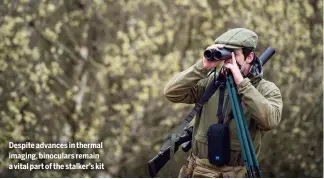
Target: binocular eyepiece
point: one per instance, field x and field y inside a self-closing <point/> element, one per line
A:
<point x="217" y="55"/>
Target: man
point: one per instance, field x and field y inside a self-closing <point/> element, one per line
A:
<point x="261" y="101"/>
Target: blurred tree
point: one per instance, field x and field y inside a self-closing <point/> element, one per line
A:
<point x="94" y="71"/>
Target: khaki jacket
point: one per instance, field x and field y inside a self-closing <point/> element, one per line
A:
<point x="262" y="105"/>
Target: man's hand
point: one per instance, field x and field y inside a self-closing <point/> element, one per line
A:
<point x="211" y="64"/>
<point x="232" y="65"/>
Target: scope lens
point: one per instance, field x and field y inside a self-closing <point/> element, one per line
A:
<point x="208" y="54"/>
<point x="218" y="55"/>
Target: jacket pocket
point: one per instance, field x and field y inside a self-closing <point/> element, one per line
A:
<point x="200" y="172"/>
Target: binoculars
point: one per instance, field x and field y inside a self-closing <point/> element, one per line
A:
<point x="217" y="55"/>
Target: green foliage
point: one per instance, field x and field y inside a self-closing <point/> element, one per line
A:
<point x="94" y="71"/>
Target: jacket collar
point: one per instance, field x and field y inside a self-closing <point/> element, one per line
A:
<point x="256" y="72"/>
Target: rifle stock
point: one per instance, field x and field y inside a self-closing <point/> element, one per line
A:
<point x="158" y="161"/>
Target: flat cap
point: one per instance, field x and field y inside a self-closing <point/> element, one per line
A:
<point x="238" y="38"/>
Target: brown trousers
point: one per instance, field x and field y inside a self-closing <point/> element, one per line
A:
<point x="201" y="168"/>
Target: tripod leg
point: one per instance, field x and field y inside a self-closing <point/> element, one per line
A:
<point x="239" y="128"/>
<point x="256" y="168"/>
<point x="247" y="141"/>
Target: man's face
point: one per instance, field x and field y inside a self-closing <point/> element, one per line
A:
<point x="243" y="63"/>
<point x="239" y="56"/>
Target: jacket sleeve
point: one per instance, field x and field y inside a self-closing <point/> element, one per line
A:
<point x="188" y="85"/>
<point x="266" y="108"/>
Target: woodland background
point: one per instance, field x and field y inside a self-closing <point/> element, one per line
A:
<point x="94" y="71"/>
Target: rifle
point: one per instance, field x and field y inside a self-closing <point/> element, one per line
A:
<point x="163" y="156"/>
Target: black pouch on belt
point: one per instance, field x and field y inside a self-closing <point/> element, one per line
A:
<point x="218" y="144"/>
<point x="218" y="137"/>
